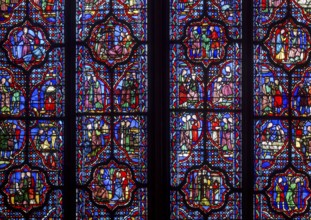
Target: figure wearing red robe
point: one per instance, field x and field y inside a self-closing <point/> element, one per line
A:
<point x="17" y="133"/>
<point x="50" y="99"/>
<point x="182" y="88"/>
<point x="215" y="44"/>
<point x="36" y="41"/>
<point x="264" y="4"/>
<point x="134" y="92"/>
<point x="278" y="99"/>
<point x="195" y="129"/>
<point x="124" y="183"/>
<point x="280" y="195"/>
<point x="182" y="94"/>
<point x="50" y="6"/>
<point x="299" y="133"/>
<point x="51" y="161"/>
<point x="31" y="189"/>
<point x="215" y="191"/>
<point x="50" y="103"/>
<point x="215" y="39"/>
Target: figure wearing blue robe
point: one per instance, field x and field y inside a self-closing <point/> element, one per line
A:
<point x="299" y="202"/>
<point x="303" y="40"/>
<point x="118" y="192"/>
<point x="107" y="180"/>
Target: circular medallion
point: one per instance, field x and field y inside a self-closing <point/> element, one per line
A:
<point x="26" y="188"/>
<point x="289" y="192"/>
<point x="205" y="42"/>
<point x="112" y="185"/>
<point x="111" y="42"/>
<point x="205" y="189"/>
<point x="26" y="45"/>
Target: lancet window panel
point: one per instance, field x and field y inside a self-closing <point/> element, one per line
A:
<point x="282" y="112"/>
<point x="112" y="109"/>
<point x="32" y="109"/>
<point x="205" y="60"/>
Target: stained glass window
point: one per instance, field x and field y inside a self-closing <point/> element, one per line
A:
<point x="282" y="109"/>
<point x="205" y="109"/>
<point x="32" y="71"/>
<point x="79" y="98"/>
<point x="111" y="109"/>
